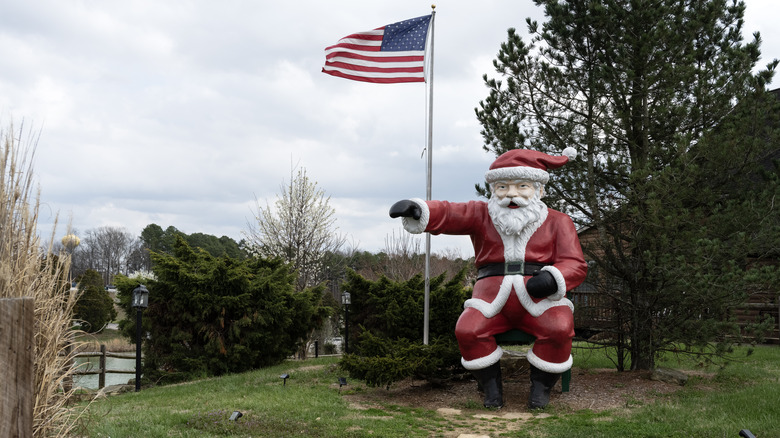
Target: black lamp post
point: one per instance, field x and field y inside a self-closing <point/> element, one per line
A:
<point x="346" y="301"/>
<point x="140" y="302"/>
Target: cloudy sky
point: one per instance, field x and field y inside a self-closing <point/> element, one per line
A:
<point x="184" y="113"/>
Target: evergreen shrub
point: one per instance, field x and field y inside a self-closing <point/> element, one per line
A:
<point x="386" y="320"/>
<point x="94" y="308"/>
<point x="209" y="316"/>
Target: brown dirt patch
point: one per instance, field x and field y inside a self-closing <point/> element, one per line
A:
<point x="597" y="390"/>
<point x="461" y="403"/>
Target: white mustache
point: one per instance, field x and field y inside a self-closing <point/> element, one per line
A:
<point x="522" y="202"/>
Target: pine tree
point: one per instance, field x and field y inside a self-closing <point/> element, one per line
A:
<point x="94" y="308"/>
<point x="660" y="100"/>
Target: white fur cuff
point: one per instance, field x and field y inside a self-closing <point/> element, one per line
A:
<point x="416" y="226"/>
<point x="483" y="362"/>
<point x="559" y="280"/>
<point x="550" y="367"/>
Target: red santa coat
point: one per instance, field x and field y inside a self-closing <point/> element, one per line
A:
<point x="500" y="303"/>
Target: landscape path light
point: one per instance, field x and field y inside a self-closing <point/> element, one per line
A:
<point x="342" y="382"/>
<point x="140" y="302"/>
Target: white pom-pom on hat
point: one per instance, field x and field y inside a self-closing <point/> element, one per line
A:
<point x="570" y="152"/>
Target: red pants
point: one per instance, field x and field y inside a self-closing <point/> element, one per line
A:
<point x="553" y="329"/>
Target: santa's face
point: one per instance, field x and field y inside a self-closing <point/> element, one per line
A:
<point x="523" y="190"/>
<point x="514" y="205"/>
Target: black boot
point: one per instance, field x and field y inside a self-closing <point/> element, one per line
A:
<point x="489" y="380"/>
<point x="541" y="384"/>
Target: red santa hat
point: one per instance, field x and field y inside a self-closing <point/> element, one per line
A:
<point x="526" y="164"/>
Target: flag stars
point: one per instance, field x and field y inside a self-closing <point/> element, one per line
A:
<point x="406" y="35"/>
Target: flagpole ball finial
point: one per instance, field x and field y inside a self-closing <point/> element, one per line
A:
<point x="433" y="6"/>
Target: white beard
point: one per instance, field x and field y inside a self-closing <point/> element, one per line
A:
<point x="512" y="221"/>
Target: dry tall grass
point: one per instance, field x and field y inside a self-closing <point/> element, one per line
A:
<point x="113" y="345"/>
<point x="27" y="270"/>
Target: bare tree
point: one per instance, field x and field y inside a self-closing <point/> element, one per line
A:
<point x="404" y="257"/>
<point x="300" y="229"/>
<point x="106" y="250"/>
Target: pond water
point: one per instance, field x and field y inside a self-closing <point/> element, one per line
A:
<point x="112" y="363"/>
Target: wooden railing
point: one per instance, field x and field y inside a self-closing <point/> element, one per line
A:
<point x="594" y="311"/>
<point x="101" y="370"/>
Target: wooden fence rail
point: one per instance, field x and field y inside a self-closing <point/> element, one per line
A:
<point x="101" y="370"/>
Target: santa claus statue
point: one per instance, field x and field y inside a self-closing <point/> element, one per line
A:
<point x="527" y="257"/>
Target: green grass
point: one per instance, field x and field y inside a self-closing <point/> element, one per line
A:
<point x="308" y="405"/>
<point x="743" y="394"/>
<point x="691" y="413"/>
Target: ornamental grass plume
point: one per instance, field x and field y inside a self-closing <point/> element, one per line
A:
<point x="27" y="269"/>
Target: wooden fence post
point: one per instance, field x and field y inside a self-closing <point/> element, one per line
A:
<point x="17" y="344"/>
<point x="102" y="375"/>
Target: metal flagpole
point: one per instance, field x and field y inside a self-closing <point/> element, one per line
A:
<point x="427" y="306"/>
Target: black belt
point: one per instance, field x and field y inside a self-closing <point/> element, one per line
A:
<point x="509" y="268"/>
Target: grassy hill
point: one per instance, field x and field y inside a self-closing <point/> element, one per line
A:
<point x="718" y="400"/>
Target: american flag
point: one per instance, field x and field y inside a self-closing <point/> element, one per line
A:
<point x="386" y="55"/>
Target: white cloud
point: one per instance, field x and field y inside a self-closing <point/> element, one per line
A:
<point x="181" y="113"/>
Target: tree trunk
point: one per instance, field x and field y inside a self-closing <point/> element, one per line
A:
<point x="642" y="350"/>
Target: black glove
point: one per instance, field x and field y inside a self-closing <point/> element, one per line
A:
<point x="541" y="285"/>
<point x="406" y="208"/>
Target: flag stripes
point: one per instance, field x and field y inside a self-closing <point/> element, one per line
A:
<point x="390" y="54"/>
